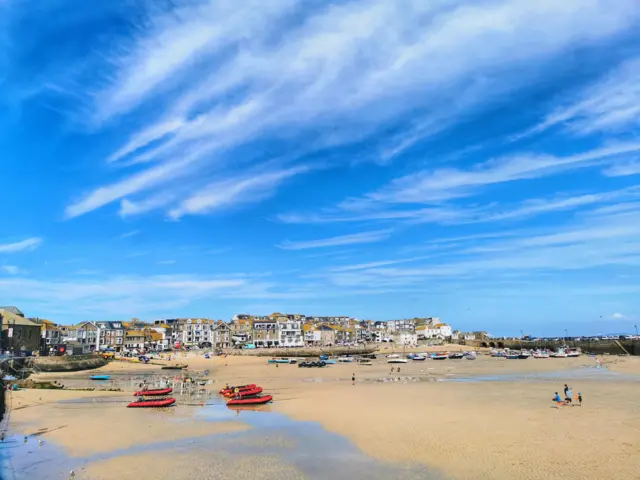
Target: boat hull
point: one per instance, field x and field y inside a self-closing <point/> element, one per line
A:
<point x="247" y="392"/>
<point x="398" y="360"/>
<point x="155" y="392"/>
<point x="239" y="387"/>
<point x="250" y="401"/>
<point x="153" y="403"/>
<point x="100" y="377"/>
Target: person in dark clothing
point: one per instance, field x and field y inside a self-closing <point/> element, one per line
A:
<point x="353" y="379"/>
<point x="580" y="398"/>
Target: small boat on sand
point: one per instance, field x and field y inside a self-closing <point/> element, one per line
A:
<point x="100" y="377"/>
<point x="250" y="401"/>
<point x="397" y="360"/>
<point x="523" y="355"/>
<point x="419" y="357"/>
<point x="440" y="356"/>
<point x="154" y="392"/>
<point x="365" y="362"/>
<point x="471" y="355"/>
<point x="175" y="367"/>
<point x="245" y="393"/>
<point x="163" y="402"/>
<point x="456" y="356"/>
<point x="239" y="387"/>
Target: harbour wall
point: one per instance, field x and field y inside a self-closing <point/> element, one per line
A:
<point x="303" y="352"/>
<point x="70" y="363"/>
<point x="613" y="347"/>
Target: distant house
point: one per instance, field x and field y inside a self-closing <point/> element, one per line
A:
<point x="134" y="340"/>
<point x="112" y="335"/>
<point x="14" y="310"/>
<point x="20" y="336"/>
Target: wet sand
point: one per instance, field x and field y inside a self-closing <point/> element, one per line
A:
<point x="489" y="418"/>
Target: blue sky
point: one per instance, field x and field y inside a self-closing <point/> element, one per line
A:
<point x="473" y="160"/>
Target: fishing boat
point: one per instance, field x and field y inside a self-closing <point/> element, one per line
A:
<point x="278" y="360"/>
<point x="330" y="362"/>
<point x="419" y="357"/>
<point x="471" y="355"/>
<point x="397" y="360"/>
<point x="523" y="355"/>
<point x="163" y="402"/>
<point x="100" y="377"/>
<point x="345" y="359"/>
<point x="440" y="356"/>
<point x="154" y="392"/>
<point x="573" y="354"/>
<point x="393" y="355"/>
<point x="239" y="387"/>
<point x="365" y="362"/>
<point x="512" y="356"/>
<point x="539" y="354"/>
<point x="559" y="354"/>
<point x="456" y="356"/>
<point x="251" y="392"/>
<point x="175" y="367"/>
<point x="250" y="401"/>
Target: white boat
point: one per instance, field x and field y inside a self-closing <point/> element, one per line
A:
<point x="393" y="355"/>
<point x="345" y="359"/>
<point x="471" y="355"/>
<point x="397" y="360"/>
<point x="559" y="354"/>
<point x="573" y="354"/>
<point x="540" y="355"/>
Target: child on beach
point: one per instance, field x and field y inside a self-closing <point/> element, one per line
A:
<point x="579" y="398"/>
<point x="353" y="379"/>
<point x="557" y="399"/>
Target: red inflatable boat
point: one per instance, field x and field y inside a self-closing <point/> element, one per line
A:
<point x="239" y="387"/>
<point x="157" y="391"/>
<point x="250" y="401"/>
<point x="245" y="393"/>
<point x="165" y="402"/>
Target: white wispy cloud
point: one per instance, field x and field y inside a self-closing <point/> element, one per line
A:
<point x="444" y="184"/>
<point x="25" y="245"/>
<point x="129" y="234"/>
<point x="11" y="269"/>
<point x="166" y="262"/>
<point x="617" y="316"/>
<point x="355" y="238"/>
<point x="611" y="104"/>
<point x="227" y="75"/>
<point x="235" y="191"/>
<point x="623" y="169"/>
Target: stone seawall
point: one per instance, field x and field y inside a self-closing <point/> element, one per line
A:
<point x="70" y="363"/>
<point x="303" y="352"/>
<point x="612" y="347"/>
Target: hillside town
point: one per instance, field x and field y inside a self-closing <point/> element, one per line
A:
<point x="23" y="335"/>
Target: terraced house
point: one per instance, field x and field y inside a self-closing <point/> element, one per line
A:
<point x="112" y="335"/>
<point x="194" y="332"/>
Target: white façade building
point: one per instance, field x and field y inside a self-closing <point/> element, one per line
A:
<point x="291" y="333"/>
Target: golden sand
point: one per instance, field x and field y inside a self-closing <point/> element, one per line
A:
<point x="489" y="429"/>
<point x="198" y="465"/>
<point x="90" y="427"/>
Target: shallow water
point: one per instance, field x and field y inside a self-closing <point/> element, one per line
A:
<point x="306" y="446"/>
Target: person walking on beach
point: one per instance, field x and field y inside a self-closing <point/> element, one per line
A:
<point x="566" y="389"/>
<point x="580" y="399"/>
<point x="353" y="379"/>
<point x="569" y="396"/>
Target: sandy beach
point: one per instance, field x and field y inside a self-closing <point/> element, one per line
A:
<point x="488" y="418"/>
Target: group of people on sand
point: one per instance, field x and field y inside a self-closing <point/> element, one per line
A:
<point x="568" y="397"/>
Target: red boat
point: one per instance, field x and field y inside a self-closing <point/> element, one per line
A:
<point x="157" y="391"/>
<point x="245" y="393"/>
<point x="165" y="402"/>
<point x="239" y="387"/>
<point x="250" y="401"/>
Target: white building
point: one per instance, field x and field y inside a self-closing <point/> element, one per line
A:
<point x="291" y="333"/>
<point x="406" y="338"/>
<point x="401" y="325"/>
<point x="440" y="331"/>
<point x="193" y="331"/>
